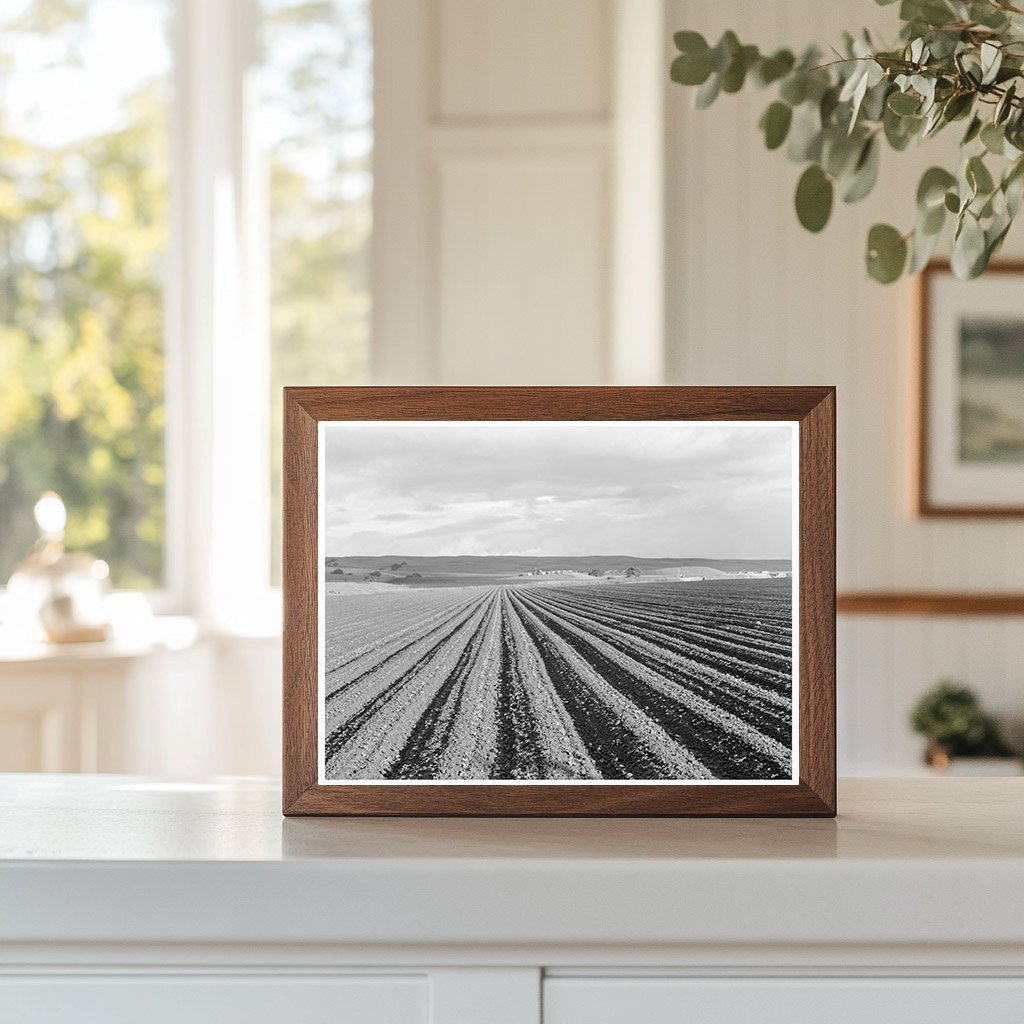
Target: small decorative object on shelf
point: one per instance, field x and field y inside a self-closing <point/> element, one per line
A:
<point x="60" y="595"/>
<point x="962" y="738"/>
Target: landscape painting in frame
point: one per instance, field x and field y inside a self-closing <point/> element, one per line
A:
<point x="971" y="455"/>
<point x="992" y="389"/>
<point x="558" y="602"/>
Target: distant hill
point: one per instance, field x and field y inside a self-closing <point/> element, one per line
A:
<point x="511" y="565"/>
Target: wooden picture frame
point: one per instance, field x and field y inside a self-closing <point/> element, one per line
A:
<point x="941" y="489"/>
<point x="311" y="413"/>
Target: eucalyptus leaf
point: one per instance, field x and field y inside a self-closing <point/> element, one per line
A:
<point x="900" y="130"/>
<point x="771" y="69"/>
<point x="794" y="88"/>
<point x="995" y="233"/>
<point x="987" y="15"/>
<point x="925" y="87"/>
<point x="689" y="42"/>
<point x="991" y="60"/>
<point x="691" y="70"/>
<point x="904" y="103"/>
<point x="827" y="106"/>
<point x="865" y="174"/>
<point x="707" y="93"/>
<point x="775" y="124"/>
<point x="724" y="51"/>
<point x="968" y="248"/>
<point x="973" y="130"/>
<point x="1014" y="192"/>
<point x="993" y="138"/>
<point x="966" y="187"/>
<point x="957" y="106"/>
<point x="931" y="221"/>
<point x="886" y="253"/>
<point x="814" y="195"/>
<point x="867" y="74"/>
<point x="930" y="12"/>
<point x="735" y="74"/>
<point x="1005" y="105"/>
<point x="978" y="176"/>
<point x="944" y="44"/>
<point x="875" y="98"/>
<point x="922" y="247"/>
<point x="931" y="190"/>
<point x="805" y="133"/>
<point x="933" y="122"/>
<point x="840" y="152"/>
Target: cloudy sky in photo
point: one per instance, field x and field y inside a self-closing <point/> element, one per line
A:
<point x="652" y="490"/>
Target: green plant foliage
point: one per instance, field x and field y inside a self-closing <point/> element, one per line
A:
<point x="693" y="65"/>
<point x="949" y="716"/>
<point x="775" y="124"/>
<point x="814" y="194"/>
<point x="887" y="253"/>
<point x="82" y="233"/>
<point x="955" y="60"/>
<point x="83" y="244"/>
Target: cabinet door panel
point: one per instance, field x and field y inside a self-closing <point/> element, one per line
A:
<point x="782" y="1001"/>
<point x="202" y="999"/>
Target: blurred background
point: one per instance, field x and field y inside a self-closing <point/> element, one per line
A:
<point x="204" y="200"/>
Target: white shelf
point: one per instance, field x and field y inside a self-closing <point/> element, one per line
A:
<point x="123" y="860"/>
<point x="127" y="897"/>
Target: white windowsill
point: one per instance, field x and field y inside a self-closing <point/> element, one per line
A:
<point x="161" y="633"/>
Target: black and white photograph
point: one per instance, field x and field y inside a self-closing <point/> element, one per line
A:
<point x="557" y="601"/>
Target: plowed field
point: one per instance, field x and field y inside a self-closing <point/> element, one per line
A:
<point x="607" y="681"/>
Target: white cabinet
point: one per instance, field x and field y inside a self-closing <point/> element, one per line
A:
<point x="625" y="1000"/>
<point x="97" y="710"/>
<point x="480" y="996"/>
<point x="216" y="1000"/>
<point x="128" y="899"/>
<point x="42" y="720"/>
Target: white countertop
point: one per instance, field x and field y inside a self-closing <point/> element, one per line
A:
<point x="121" y="859"/>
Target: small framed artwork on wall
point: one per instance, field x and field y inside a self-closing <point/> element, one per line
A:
<point x="559" y="601"/>
<point x="970" y="423"/>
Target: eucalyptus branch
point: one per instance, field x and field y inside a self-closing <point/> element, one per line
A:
<point x="955" y="61"/>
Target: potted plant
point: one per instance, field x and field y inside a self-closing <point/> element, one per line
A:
<point x="950" y="718"/>
<point x="956" y="62"/>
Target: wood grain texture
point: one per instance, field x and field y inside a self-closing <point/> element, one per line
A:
<point x="925" y="603"/>
<point x="300" y="578"/>
<point x="923" y="504"/>
<point x="817" y="599"/>
<point x="812" y="407"/>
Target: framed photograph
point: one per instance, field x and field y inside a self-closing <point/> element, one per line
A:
<point x="970" y="445"/>
<point x="559" y="601"/>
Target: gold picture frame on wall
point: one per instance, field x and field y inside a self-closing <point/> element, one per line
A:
<point x="970" y="393"/>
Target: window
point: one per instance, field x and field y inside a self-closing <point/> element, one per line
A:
<point x="317" y="87"/>
<point x="83" y="234"/>
<point x="185" y="221"/>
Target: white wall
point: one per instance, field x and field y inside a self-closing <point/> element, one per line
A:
<point x="514" y="161"/>
<point x="505" y="132"/>
<point x="754" y="299"/>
